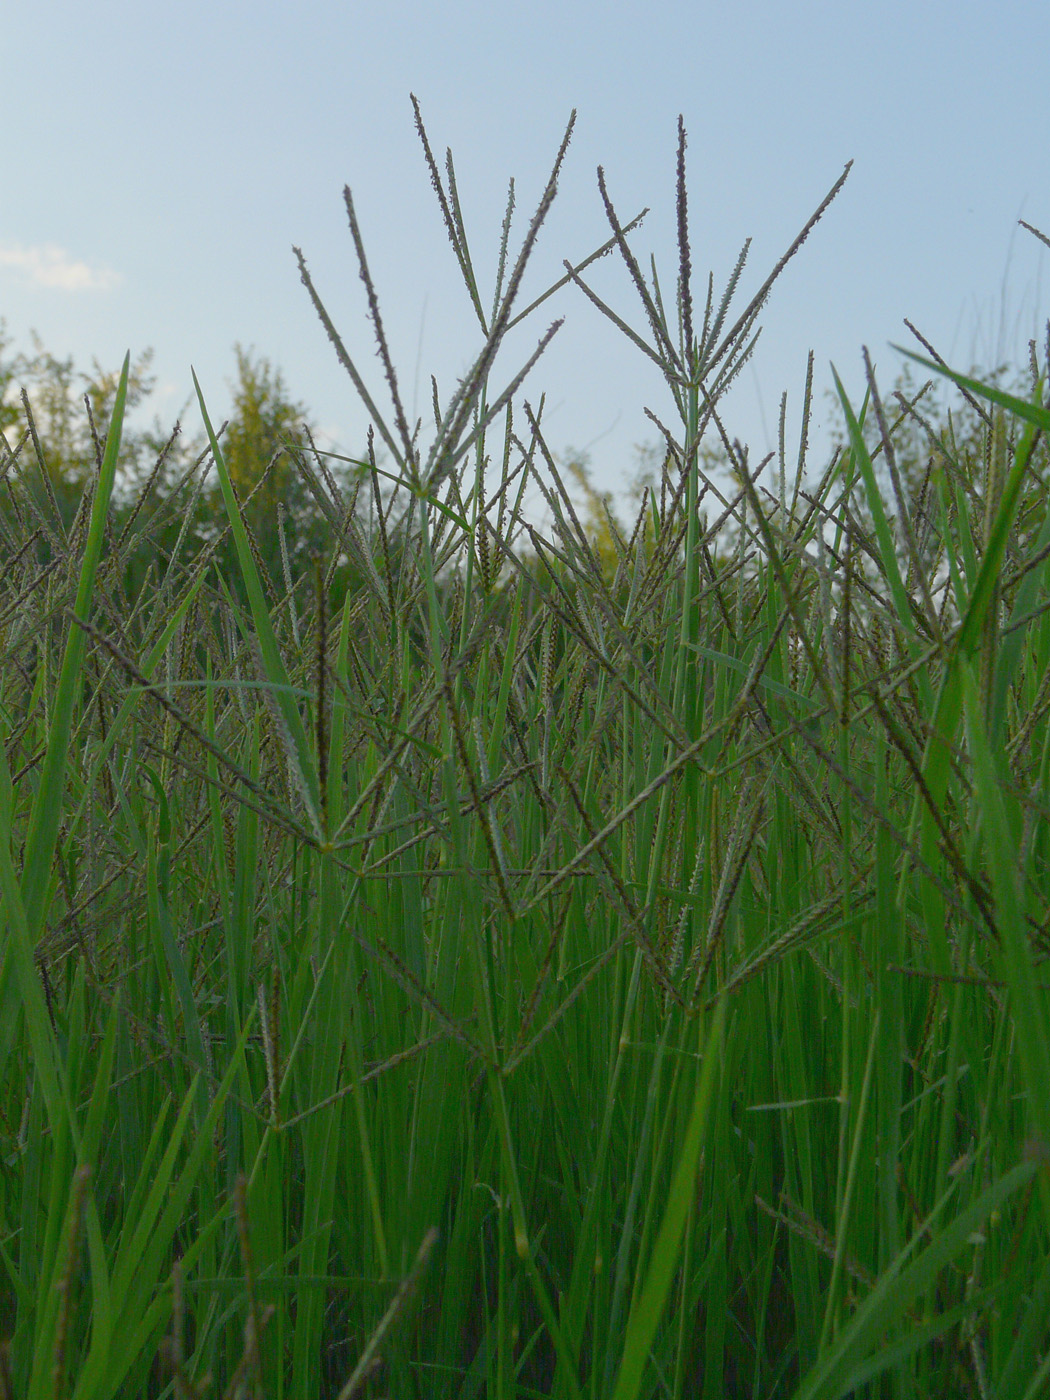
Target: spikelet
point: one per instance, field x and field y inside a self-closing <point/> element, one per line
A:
<point x="295" y="771"/>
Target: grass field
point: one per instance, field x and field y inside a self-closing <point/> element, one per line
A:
<point x="549" y="964"/>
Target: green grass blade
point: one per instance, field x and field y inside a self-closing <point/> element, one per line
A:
<point x="294" y="735"/>
<point x="887" y="552"/>
<point x="645" y="1317"/>
<point x="47" y="806"/>
<point x="142" y="1255"/>
<point x="900" y="1287"/>
<point x="19" y="946"/>
<point x="1032" y="413"/>
<point x="1028" y="1005"/>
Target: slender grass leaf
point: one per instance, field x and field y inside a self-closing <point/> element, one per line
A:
<point x="47" y="806"/>
<point x="645" y="1316"/>
<point x="899" y="1288"/>
<point x="292" y="731"/>
<point x="1033" y="413"/>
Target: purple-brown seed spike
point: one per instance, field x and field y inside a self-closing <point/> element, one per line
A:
<point x="685" y="270"/>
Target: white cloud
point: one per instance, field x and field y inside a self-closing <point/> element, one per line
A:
<point x="47" y="265"/>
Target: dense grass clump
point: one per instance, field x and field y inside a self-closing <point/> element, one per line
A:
<point x="471" y="962"/>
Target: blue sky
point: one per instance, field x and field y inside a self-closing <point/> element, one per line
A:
<point x="161" y="161"/>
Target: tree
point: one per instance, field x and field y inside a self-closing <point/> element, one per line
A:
<point x="56" y="393"/>
<point x="57" y="442"/>
<point x="59" y="454"/>
<point x="261" y="447"/>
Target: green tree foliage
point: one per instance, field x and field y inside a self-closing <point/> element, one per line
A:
<point x="263" y="415"/>
<point x="596" y="511"/>
<point x="263" y="448"/>
<point x="51" y="415"/>
<point x="55" y="441"/>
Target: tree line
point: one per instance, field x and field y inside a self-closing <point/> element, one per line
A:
<point x="168" y="507"/>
